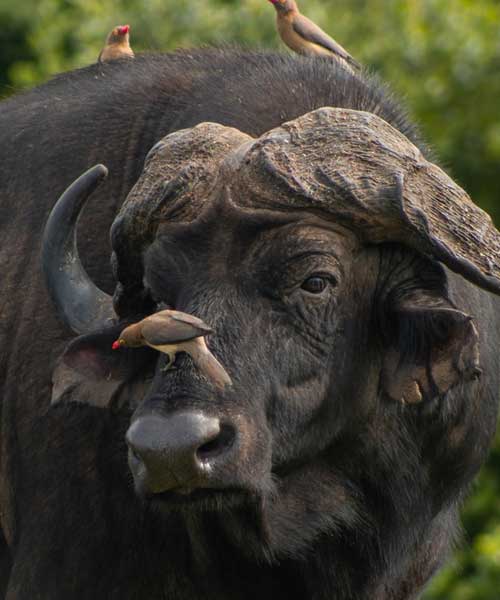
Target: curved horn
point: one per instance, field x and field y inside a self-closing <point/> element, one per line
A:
<point x="80" y="304"/>
<point x="356" y="167"/>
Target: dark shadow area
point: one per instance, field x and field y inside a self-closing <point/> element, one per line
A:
<point x="5" y="565"/>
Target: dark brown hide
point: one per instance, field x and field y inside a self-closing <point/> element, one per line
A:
<point x="333" y="491"/>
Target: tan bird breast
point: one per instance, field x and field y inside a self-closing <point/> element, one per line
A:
<point x="115" y="51"/>
<point x="296" y="42"/>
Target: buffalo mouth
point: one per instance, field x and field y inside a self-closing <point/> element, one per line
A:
<point x="193" y="458"/>
<point x="200" y="500"/>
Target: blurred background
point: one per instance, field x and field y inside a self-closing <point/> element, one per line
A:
<point x="442" y="57"/>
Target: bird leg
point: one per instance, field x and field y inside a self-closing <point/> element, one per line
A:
<point x="171" y="360"/>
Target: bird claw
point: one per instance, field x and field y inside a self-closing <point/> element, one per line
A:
<point x="169" y="366"/>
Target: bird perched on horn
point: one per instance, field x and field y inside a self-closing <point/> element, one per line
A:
<point x="303" y="36"/>
<point x="117" y="44"/>
<point x="171" y="332"/>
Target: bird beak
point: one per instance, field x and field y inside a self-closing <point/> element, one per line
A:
<point x="124" y="29"/>
<point x="117" y="344"/>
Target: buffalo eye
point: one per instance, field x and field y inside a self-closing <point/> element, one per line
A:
<point x="316" y="284"/>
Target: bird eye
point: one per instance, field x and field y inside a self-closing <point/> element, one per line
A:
<point x="316" y="284"/>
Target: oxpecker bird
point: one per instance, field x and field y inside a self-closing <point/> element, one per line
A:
<point x="304" y="37"/>
<point x="117" y="44"/>
<point x="171" y="332"/>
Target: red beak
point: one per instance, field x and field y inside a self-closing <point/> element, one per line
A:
<point x="116" y="345"/>
<point x="123" y="29"/>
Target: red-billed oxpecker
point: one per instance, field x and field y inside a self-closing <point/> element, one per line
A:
<point x="171" y="332"/>
<point x="117" y="44"/>
<point x="303" y="36"/>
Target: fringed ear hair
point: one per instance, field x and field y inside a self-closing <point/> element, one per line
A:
<point x="434" y="349"/>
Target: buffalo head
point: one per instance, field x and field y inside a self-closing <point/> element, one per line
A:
<point x="316" y="254"/>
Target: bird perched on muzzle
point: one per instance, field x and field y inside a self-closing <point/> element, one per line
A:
<point x="303" y="36"/>
<point x="117" y="44"/>
<point x="171" y="332"/>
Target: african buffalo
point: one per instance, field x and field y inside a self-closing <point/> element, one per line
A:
<point x="289" y="204"/>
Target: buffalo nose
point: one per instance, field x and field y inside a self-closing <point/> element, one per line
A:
<point x="180" y="452"/>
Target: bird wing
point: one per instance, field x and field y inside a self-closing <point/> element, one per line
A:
<point x="183" y="317"/>
<point x="312" y="33"/>
<point x="171" y="326"/>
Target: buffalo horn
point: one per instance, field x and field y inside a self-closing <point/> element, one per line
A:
<point x="358" y="169"/>
<point x="80" y="304"/>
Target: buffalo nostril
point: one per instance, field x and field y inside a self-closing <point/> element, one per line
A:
<point x="217" y="445"/>
<point x="181" y="451"/>
<point x="135" y="455"/>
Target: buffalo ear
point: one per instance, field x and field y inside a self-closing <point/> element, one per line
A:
<point x="433" y="349"/>
<point x="90" y="372"/>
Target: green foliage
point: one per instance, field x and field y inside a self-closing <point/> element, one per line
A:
<point x="442" y="57"/>
<point x="474" y="572"/>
